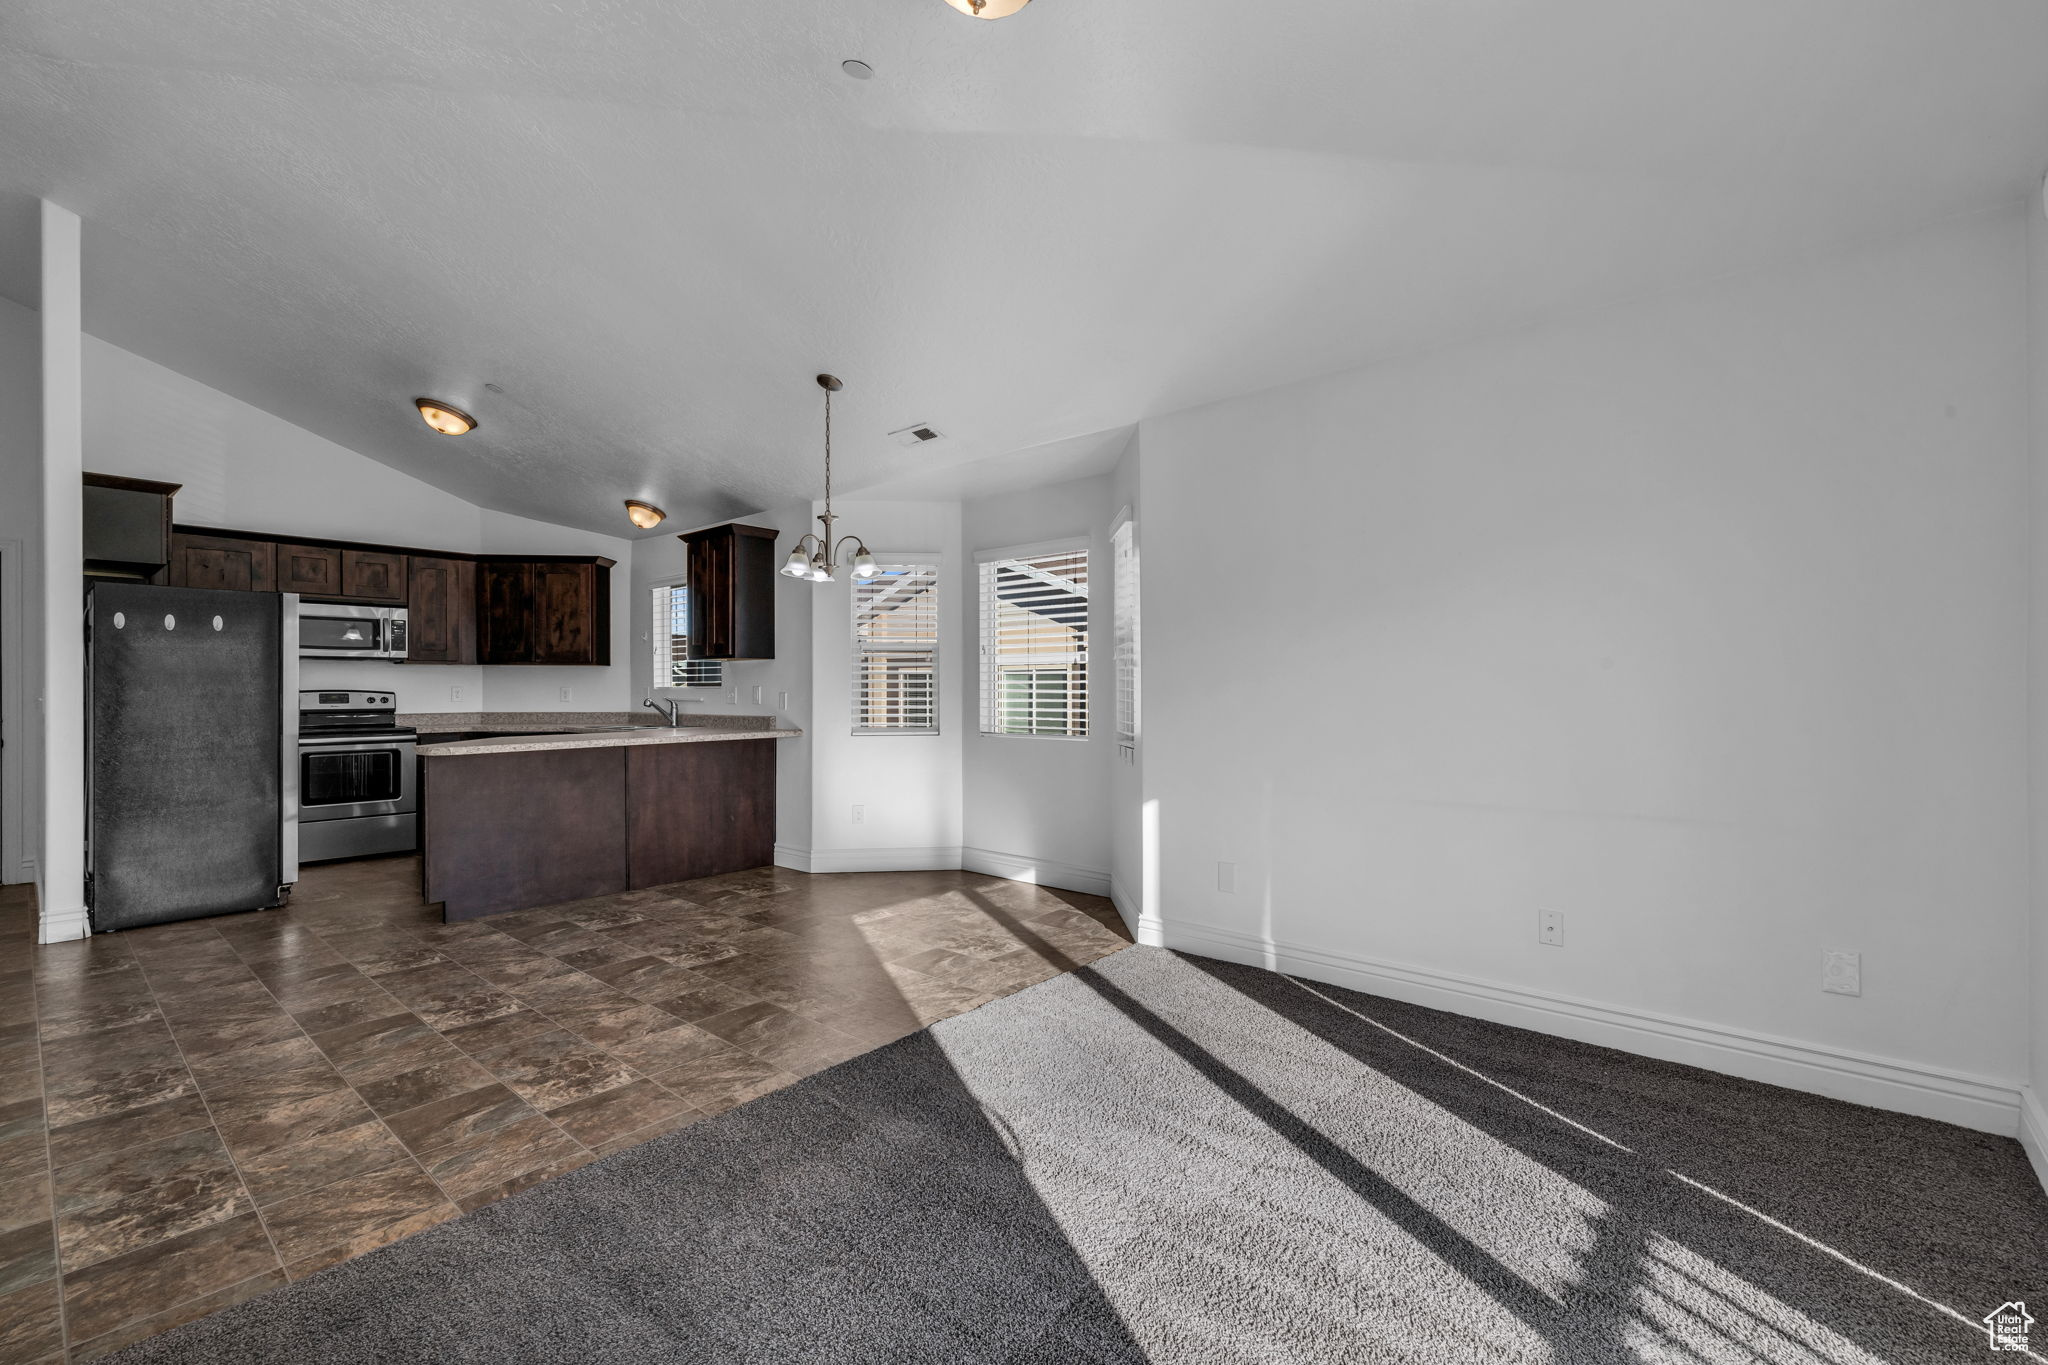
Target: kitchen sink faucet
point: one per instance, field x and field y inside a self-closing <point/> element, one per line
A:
<point x="672" y="710"/>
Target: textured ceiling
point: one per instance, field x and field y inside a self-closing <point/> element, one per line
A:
<point x="652" y="223"/>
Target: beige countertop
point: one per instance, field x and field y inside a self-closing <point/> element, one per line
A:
<point x="583" y="730"/>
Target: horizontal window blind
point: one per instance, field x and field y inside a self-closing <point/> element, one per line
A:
<point x="1123" y="643"/>
<point x="673" y="666"/>
<point x="1034" y="644"/>
<point x="896" y="651"/>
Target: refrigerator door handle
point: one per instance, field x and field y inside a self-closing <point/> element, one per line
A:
<point x="288" y="740"/>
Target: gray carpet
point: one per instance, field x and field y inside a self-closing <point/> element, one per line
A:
<point x="1167" y="1159"/>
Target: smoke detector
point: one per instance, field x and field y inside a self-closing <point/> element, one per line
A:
<point x="916" y="435"/>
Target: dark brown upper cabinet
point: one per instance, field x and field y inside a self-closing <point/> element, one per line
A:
<point x="126" y="525"/>
<point x="441" y="610"/>
<point x="229" y="562"/>
<point x="373" y="575"/>
<point x="339" y="573"/>
<point x="571" y="625"/>
<point x="504" y="612"/>
<point x="462" y="609"/>
<point x="732" y="592"/>
<point x="310" y="570"/>
<point x="544" y="611"/>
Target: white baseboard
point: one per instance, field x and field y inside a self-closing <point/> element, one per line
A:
<point x="63" y="925"/>
<point x="1885" y="1083"/>
<point x="876" y="859"/>
<point x="1037" y="871"/>
<point x="2034" y="1131"/>
<point x="1126" y="906"/>
<point x="793" y="858"/>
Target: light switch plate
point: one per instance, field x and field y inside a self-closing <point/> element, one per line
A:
<point x="1841" y="973"/>
<point x="1226" y="878"/>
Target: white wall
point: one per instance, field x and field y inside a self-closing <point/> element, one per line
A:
<point x="244" y="469"/>
<point x="1031" y="806"/>
<point x="907" y="785"/>
<point x="2034" y="1129"/>
<point x="1130" y="879"/>
<point x="21" y="616"/>
<point x="1703" y="621"/>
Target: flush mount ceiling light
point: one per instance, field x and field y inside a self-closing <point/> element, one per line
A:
<point x="815" y="558"/>
<point x="988" y="9"/>
<point x="644" y="514"/>
<point x="856" y="68"/>
<point x="444" y="418"/>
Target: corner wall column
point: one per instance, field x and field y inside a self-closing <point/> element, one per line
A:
<point x="60" y="870"/>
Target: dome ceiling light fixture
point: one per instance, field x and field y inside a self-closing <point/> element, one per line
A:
<point x="815" y="557"/>
<point x="988" y="9"/>
<point x="445" y="418"/>
<point x="644" y="515"/>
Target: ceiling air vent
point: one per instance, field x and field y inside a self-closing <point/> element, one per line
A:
<point x="916" y="436"/>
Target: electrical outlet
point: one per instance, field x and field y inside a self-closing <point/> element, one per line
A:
<point x="860" y="815"/>
<point x="455" y="694"/>
<point x="1550" y="928"/>
<point x="1226" y="878"/>
<point x="732" y="696"/>
<point x="1841" y="973"/>
<point x="782" y="702"/>
<point x="562" y="693"/>
<point x="759" y="692"/>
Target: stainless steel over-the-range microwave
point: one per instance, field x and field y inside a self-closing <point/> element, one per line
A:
<point x="343" y="630"/>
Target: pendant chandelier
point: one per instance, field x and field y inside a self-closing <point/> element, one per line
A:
<point x="815" y="557"/>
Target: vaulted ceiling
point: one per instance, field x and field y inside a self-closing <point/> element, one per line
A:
<point x="650" y="224"/>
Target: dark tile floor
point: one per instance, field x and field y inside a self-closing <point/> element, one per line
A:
<point x="196" y="1113"/>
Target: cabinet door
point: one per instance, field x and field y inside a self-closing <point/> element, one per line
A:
<point x="373" y="575"/>
<point x="314" y="570"/>
<point x="505" y="613"/>
<point x="441" y="610"/>
<point x="710" y="569"/>
<point x="565" y="613"/>
<point x="223" y="562"/>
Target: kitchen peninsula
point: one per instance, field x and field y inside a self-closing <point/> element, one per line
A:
<point x="530" y="810"/>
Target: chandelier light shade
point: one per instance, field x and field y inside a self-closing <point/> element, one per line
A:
<point x="988" y="9"/>
<point x="816" y="558"/>
<point x="445" y="418"/>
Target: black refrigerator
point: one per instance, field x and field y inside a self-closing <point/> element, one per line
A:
<point x="192" y="752"/>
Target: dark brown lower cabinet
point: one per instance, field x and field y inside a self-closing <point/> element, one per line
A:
<point x="510" y="831"/>
<point x="696" y="810"/>
<point x="505" y="831"/>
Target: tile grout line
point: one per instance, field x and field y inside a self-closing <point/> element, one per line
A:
<point x="207" y="1105"/>
<point x="35" y="990"/>
<point x="495" y="1078"/>
<point x="743" y="912"/>
<point x="346" y="1082"/>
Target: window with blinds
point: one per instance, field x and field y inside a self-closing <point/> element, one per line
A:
<point x="896" y="651"/>
<point x="673" y="666"/>
<point x="1123" y="635"/>
<point x="1034" y="644"/>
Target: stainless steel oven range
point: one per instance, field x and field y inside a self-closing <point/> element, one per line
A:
<point x="358" y="789"/>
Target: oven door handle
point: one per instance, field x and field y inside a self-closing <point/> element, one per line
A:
<point x="353" y="742"/>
